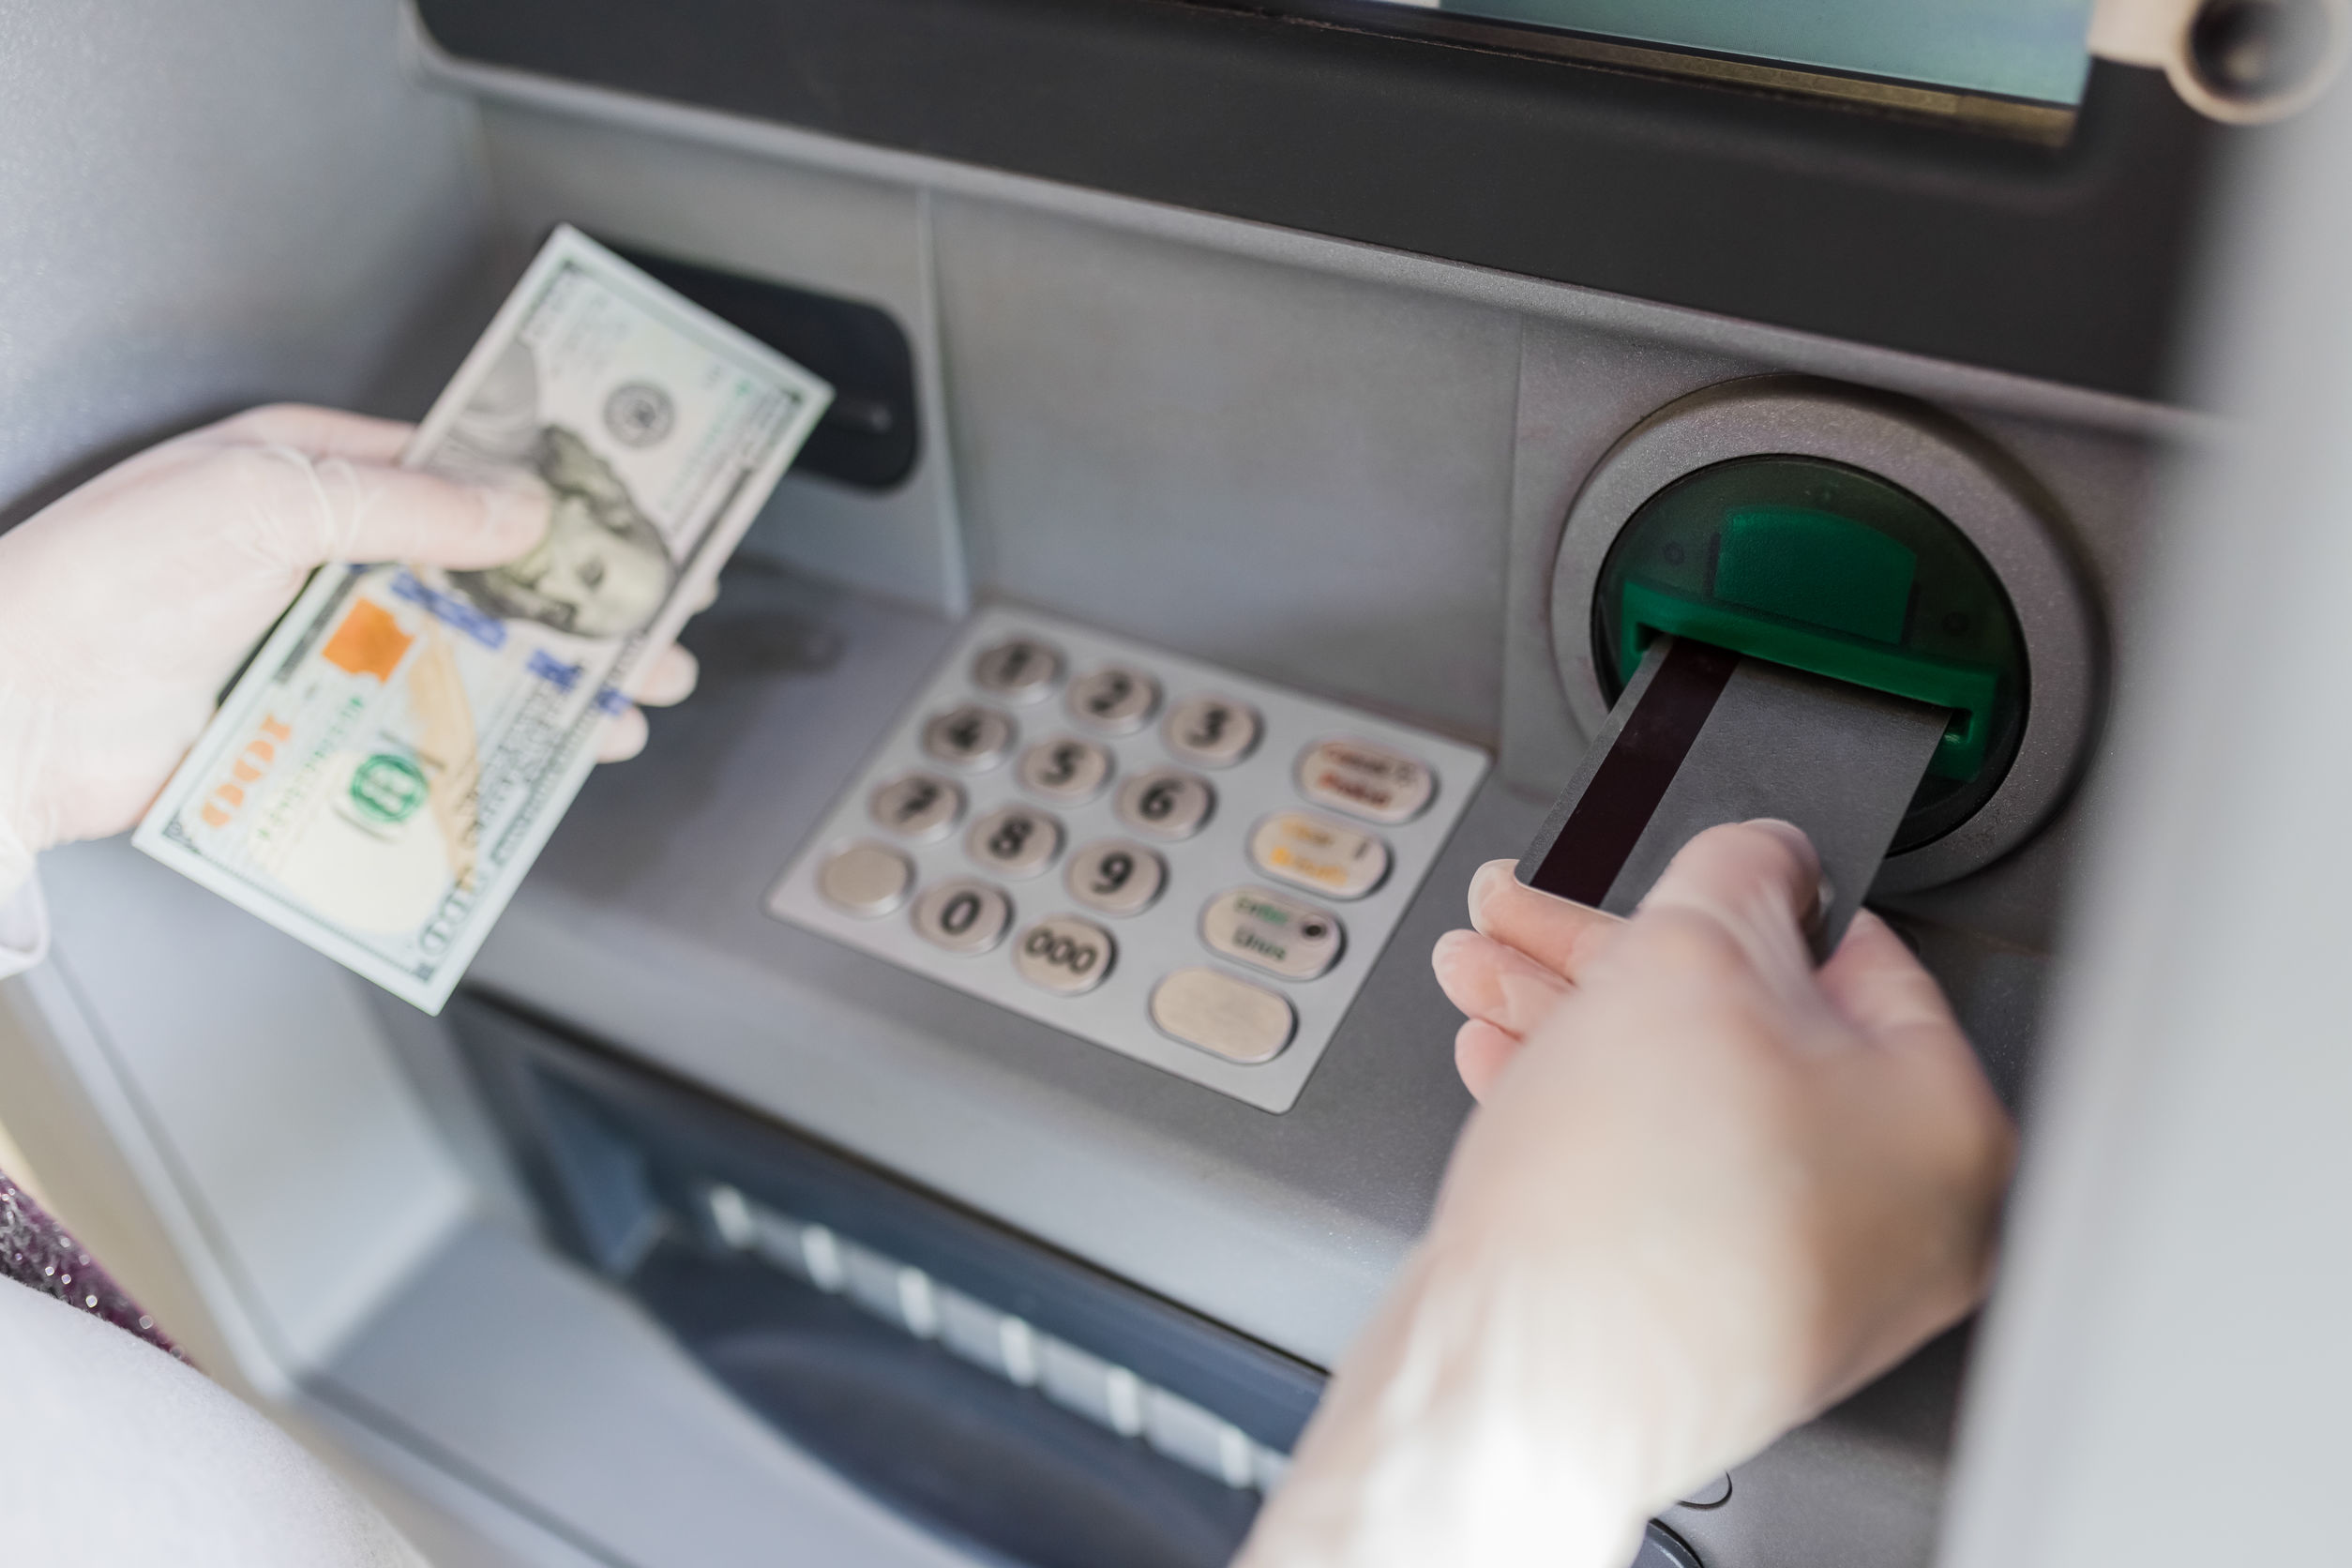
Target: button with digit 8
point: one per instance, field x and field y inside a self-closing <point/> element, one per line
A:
<point x="1166" y="802"/>
<point x="1015" y="842"/>
<point x="1116" y="875"/>
<point x="1211" y="731"/>
<point x="970" y="737"/>
<point x="1115" y="699"/>
<point x="1065" y="769"/>
<point x="1018" y="670"/>
<point x="1065" y="954"/>
<point x="1319" y="855"/>
<point x="919" y="807"/>
<point x="963" y="915"/>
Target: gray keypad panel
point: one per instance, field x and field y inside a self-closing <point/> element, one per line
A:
<point x="1212" y="829"/>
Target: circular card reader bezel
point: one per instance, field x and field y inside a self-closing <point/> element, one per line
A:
<point x="1944" y="466"/>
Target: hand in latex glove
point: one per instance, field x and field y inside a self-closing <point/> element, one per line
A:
<point x="1709" y="1192"/>
<point x="126" y="605"/>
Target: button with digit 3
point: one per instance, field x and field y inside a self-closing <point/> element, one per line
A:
<point x="1219" y="1013"/>
<point x="963" y="916"/>
<point x="1211" y="731"/>
<point x="1116" y="875"/>
<point x="1015" y="840"/>
<point x="865" y="880"/>
<point x="1166" y="802"/>
<point x="1065" y="769"/>
<point x="1269" y="932"/>
<point x="1319" y="855"/>
<point x="917" y="805"/>
<point x="1374" y="782"/>
<point x="970" y="737"/>
<point x="1065" y="954"/>
<point x="1018" y="669"/>
<point x="1116" y="699"/>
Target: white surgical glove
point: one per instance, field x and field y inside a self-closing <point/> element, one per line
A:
<point x="1709" y="1193"/>
<point x="126" y="605"/>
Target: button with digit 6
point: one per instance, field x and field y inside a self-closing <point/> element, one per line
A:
<point x="963" y="915"/>
<point x="1166" y="802"/>
<point x="1065" y="954"/>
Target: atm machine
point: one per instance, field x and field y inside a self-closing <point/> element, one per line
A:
<point x="954" y="1096"/>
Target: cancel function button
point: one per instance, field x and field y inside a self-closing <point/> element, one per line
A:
<point x="1318" y="854"/>
<point x="1265" y="929"/>
<point x="1374" y="783"/>
<point x="1065" y="954"/>
<point x="1222" y="1015"/>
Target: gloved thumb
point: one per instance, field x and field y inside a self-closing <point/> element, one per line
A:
<point x="317" y="511"/>
<point x="1761" y="882"/>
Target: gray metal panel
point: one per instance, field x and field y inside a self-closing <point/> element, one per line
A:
<point x="643" y="924"/>
<point x="1298" y="477"/>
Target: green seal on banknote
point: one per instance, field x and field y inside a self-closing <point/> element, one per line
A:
<point x="387" y="789"/>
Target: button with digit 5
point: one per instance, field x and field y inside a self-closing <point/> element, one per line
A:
<point x="1065" y="954"/>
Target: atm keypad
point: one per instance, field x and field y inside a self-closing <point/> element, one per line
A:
<point x="1198" y="871"/>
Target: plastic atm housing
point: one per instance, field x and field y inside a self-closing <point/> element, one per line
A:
<point x="1833" y="570"/>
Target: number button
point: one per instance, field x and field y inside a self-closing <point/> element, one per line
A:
<point x="970" y="737"/>
<point x="1233" y="1018"/>
<point x="1115" y="699"/>
<point x="1319" y="855"/>
<point x="1211" y="731"/>
<point x="1065" y="954"/>
<point x="1263" y="928"/>
<point x="1114" y="875"/>
<point x="867" y="881"/>
<point x="1166" y="802"/>
<point x="920" y="807"/>
<point x="1065" y="770"/>
<point x="1018" y="670"/>
<point x="1373" y="782"/>
<point x="963" y="916"/>
<point x="1015" y="842"/>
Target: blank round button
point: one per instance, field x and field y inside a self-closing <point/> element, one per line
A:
<point x="1211" y="731"/>
<point x="1116" y="875"/>
<point x="963" y="916"/>
<point x="1018" y="669"/>
<point x="1166" y="802"/>
<point x="970" y="737"/>
<point x="865" y="880"/>
<point x="920" y="807"/>
<point x="1065" y="770"/>
<point x="1219" y="1013"/>
<point x="1319" y="855"/>
<point x="1065" y="954"/>
<point x="1015" y="842"/>
<point x="1117" y="700"/>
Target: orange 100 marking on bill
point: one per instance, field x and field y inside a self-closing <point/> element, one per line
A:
<point x="251" y="762"/>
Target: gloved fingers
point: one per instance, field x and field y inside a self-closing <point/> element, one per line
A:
<point x="320" y="432"/>
<point x="704" y="598"/>
<point x="1759" y="883"/>
<point x="306" y="514"/>
<point x="666" y="678"/>
<point x="1560" y="936"/>
<point x="1498" y="985"/>
<point x="1874" y="979"/>
<point x="622" y="736"/>
<point x="1481" y="1052"/>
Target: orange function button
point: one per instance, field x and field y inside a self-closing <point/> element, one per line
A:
<point x="1374" y="783"/>
<point x="1317" y="853"/>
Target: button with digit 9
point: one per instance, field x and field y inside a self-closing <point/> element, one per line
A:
<point x="1116" y="875"/>
<point x="1166" y="802"/>
<point x="1065" y="954"/>
<point x="963" y="916"/>
<point x="1317" y="853"/>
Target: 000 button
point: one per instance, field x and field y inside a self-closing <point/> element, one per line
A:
<point x="1065" y="954"/>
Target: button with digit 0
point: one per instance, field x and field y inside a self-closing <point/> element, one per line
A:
<point x="963" y="916"/>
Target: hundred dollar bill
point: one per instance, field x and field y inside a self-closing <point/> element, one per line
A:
<point x="385" y="769"/>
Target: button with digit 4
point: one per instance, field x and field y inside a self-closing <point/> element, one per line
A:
<point x="963" y="915"/>
<point x="969" y="736"/>
<point x="1065" y="954"/>
<point x="1374" y="782"/>
<point x="865" y="880"/>
<point x="920" y="807"/>
<point x="1319" y="855"/>
<point x="1115" y="699"/>
<point x="1015" y="840"/>
<point x="1166" y="802"/>
<point x="1211" y="731"/>
<point x="1219" y="1013"/>
<point x="1065" y="769"/>
<point x="1116" y="875"/>
<point x="1271" y="932"/>
<point x="1018" y="670"/>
